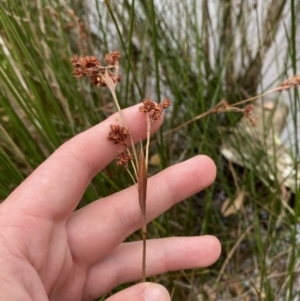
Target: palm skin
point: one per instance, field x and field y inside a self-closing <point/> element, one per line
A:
<point x="50" y="252"/>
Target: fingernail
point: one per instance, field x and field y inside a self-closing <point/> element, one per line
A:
<point x="156" y="292"/>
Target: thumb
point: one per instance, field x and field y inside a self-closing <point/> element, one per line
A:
<point x="146" y="291"/>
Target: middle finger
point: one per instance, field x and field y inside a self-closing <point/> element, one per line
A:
<point x="98" y="228"/>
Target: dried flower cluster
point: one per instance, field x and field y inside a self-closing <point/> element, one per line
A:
<point x="248" y="114"/>
<point x="113" y="58"/>
<point x="224" y="106"/>
<point x="118" y="135"/>
<point x="153" y="109"/>
<point x="90" y="66"/>
<point x="291" y="82"/>
<point x="123" y="158"/>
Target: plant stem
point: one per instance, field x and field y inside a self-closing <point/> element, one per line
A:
<point x="144" y="233"/>
<point x="142" y="192"/>
<point x="144" y="223"/>
<point x="148" y="140"/>
<point x="213" y="110"/>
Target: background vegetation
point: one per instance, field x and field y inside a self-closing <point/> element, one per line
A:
<point x="196" y="53"/>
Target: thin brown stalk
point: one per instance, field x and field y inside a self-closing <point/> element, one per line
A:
<point x="144" y="233"/>
<point x="190" y="121"/>
<point x="218" y="105"/>
<point x="144" y="162"/>
<point x="142" y="191"/>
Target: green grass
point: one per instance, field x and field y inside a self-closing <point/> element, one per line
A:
<point x="187" y="51"/>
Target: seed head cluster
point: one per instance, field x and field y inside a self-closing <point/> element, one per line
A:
<point x="291" y="82"/>
<point x="123" y="158"/>
<point x="153" y="109"/>
<point x="118" y="134"/>
<point x="112" y="58"/>
<point x="247" y="111"/>
<point x="91" y="67"/>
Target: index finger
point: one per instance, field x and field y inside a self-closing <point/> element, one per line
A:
<point x="55" y="188"/>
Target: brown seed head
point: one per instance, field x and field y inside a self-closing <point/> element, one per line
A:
<point x="85" y="66"/>
<point x="248" y="114"/>
<point x="123" y="158"/>
<point x="115" y="77"/>
<point x="98" y="80"/>
<point x="294" y="81"/>
<point x="90" y="66"/>
<point x="166" y="103"/>
<point x="248" y="110"/>
<point x="118" y="134"/>
<point x="113" y="58"/>
<point x="153" y="109"/>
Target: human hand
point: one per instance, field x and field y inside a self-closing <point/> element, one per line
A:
<point x="49" y="252"/>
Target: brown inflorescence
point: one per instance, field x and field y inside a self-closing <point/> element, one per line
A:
<point x="90" y="66"/>
<point x="291" y="82"/>
<point x="123" y="158"/>
<point x="248" y="110"/>
<point x="222" y="106"/>
<point x="118" y="134"/>
<point x="85" y="66"/>
<point x="112" y="58"/>
<point x="153" y="109"/>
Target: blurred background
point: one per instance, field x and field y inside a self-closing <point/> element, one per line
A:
<point x="196" y="53"/>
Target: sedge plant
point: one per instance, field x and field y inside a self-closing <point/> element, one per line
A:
<point x="55" y="31"/>
<point x="108" y="76"/>
<point x="119" y="134"/>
